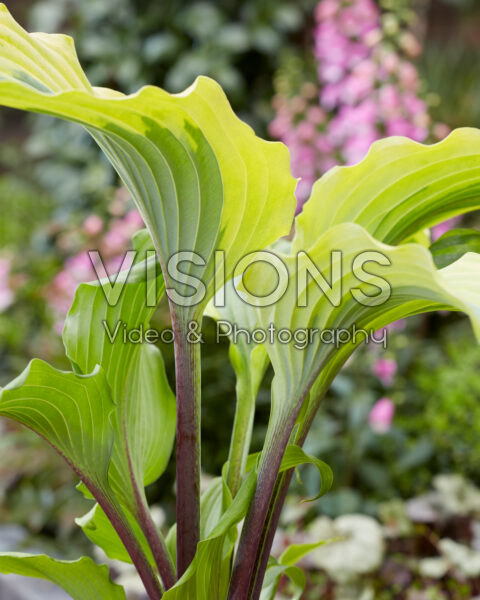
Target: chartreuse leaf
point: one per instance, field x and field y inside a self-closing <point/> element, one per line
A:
<point x="81" y="579"/>
<point x="134" y="369"/>
<point x="400" y="188"/>
<point x="145" y="404"/>
<point x="249" y="361"/>
<point x="116" y="488"/>
<point x="72" y="412"/>
<point x="201" y="179"/>
<point x="209" y="573"/>
<point x="365" y="285"/>
<point x="453" y="244"/>
<point x="326" y="299"/>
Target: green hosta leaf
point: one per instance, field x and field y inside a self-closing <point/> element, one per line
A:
<point x="75" y="414"/>
<point x="72" y="412"/>
<point x="294" y="456"/>
<point x="201" y="179"/>
<point x="400" y="188"/>
<point x="208" y="575"/>
<point x="135" y="371"/>
<point x="211" y="507"/>
<point x="286" y="566"/>
<point x="171" y="542"/>
<point x="403" y="281"/>
<point x="151" y="441"/>
<point x="453" y="244"/>
<point x="146" y="411"/>
<point x="100" y="531"/>
<point x="81" y="579"/>
<point x="294" y="553"/>
<point x="272" y="579"/>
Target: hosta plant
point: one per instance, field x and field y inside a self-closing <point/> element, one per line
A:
<point x="218" y="204"/>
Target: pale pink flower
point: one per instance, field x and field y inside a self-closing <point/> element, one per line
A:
<point x="115" y="239"/>
<point x="306" y="130"/>
<point x="397" y="325"/>
<point x="326" y="9"/>
<point x="389" y="98"/>
<point x="6" y="293"/>
<point x="410" y="44"/>
<point x="356" y="88"/>
<point x="6" y="298"/>
<point x="414" y="104"/>
<point x="419" y="134"/>
<point x="381" y="415"/>
<point x="93" y="225"/>
<point x="366" y="89"/>
<point x="134" y="219"/>
<point x="323" y="143"/>
<point x="80" y="267"/>
<point x="356" y="148"/>
<point x="408" y="76"/>
<point x="330" y="95"/>
<point x="280" y="126"/>
<point x="302" y="192"/>
<point x="385" y="369"/>
<point x="440" y="130"/>
<point x="77" y="269"/>
<point x="390" y="61"/>
<point x="399" y="126"/>
<point x="316" y="115"/>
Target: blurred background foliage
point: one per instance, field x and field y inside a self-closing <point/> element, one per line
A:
<point x="59" y="197"/>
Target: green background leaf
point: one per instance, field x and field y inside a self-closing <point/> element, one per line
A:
<point x="82" y="579"/>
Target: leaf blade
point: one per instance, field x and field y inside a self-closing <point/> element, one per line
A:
<point x="81" y="579"/>
<point x="400" y="188"/>
<point x="183" y="154"/>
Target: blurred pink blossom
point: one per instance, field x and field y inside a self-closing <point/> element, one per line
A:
<point x="6" y="293"/>
<point x="385" y="369"/>
<point x="367" y="88"/>
<point x="78" y="268"/>
<point x="389" y="98"/>
<point x="442" y="228"/>
<point x="93" y="225"/>
<point x="381" y="415"/>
